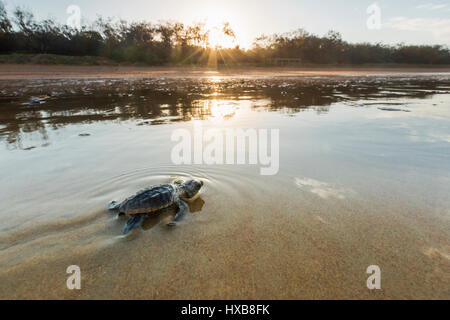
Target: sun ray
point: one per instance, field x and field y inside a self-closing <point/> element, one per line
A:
<point x="196" y="51"/>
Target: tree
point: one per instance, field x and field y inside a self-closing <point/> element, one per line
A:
<point x="174" y="42"/>
<point x="5" y="23"/>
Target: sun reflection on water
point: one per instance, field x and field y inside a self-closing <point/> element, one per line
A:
<point x="221" y="110"/>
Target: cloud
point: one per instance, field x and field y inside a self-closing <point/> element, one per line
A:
<point x="440" y="28"/>
<point x="431" y="6"/>
<point x="321" y="189"/>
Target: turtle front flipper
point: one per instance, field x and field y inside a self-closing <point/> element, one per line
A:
<point x="134" y="222"/>
<point x="183" y="208"/>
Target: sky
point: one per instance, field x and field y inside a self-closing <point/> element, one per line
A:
<point x="400" y="21"/>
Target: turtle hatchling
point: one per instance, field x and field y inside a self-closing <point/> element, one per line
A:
<point x="154" y="200"/>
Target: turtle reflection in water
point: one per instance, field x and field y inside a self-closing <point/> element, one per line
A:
<point x="155" y="200"/>
<point x="195" y="206"/>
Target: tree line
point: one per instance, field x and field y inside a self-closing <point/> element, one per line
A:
<point x="177" y="43"/>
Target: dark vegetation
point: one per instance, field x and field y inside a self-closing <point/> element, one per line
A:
<point x="175" y="43"/>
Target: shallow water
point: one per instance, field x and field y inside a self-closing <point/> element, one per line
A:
<point x="363" y="180"/>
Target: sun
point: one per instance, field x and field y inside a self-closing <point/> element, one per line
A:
<point x="218" y="37"/>
<point x="220" y="31"/>
<point x="214" y="16"/>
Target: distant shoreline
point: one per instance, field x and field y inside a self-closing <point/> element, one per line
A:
<point x="39" y="71"/>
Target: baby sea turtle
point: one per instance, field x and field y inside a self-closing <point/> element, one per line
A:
<point x="154" y="200"/>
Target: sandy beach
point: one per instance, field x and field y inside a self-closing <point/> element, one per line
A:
<point x="24" y="71"/>
<point x="211" y="158"/>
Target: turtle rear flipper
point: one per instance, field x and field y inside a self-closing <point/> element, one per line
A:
<point x="134" y="222"/>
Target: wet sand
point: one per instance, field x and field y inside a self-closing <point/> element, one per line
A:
<point x="320" y="251"/>
<point x="21" y="71"/>
<point x="359" y="185"/>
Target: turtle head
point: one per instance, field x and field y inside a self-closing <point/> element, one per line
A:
<point x="189" y="189"/>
